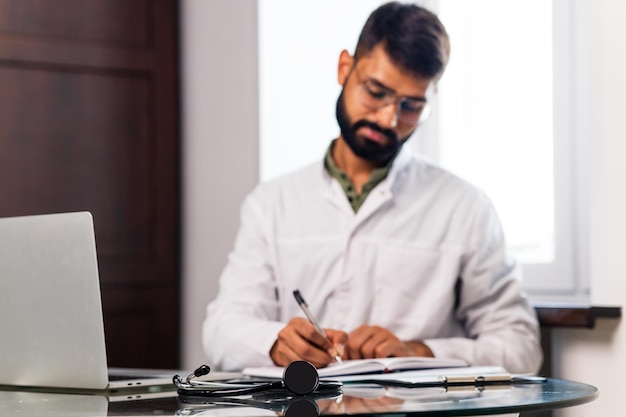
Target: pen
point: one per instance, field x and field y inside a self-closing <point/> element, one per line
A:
<point x="313" y="320"/>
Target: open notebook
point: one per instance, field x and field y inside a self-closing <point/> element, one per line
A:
<point x="364" y="367"/>
<point x="51" y="313"/>
<point x="409" y="372"/>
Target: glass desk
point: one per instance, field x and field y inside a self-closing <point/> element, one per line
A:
<point x="371" y="401"/>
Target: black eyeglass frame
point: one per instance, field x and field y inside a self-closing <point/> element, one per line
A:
<point x="375" y="96"/>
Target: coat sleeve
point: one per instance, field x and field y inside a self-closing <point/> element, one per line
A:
<point x="500" y="324"/>
<point x="242" y="322"/>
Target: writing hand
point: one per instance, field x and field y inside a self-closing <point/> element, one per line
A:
<point x="367" y="342"/>
<point x="299" y="340"/>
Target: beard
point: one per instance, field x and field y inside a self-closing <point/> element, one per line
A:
<point x="363" y="147"/>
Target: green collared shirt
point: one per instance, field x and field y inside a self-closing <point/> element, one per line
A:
<point x="356" y="199"/>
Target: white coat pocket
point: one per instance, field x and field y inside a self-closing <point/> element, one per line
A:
<point x="410" y="282"/>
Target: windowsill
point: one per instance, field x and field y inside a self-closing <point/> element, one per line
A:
<point x="574" y="315"/>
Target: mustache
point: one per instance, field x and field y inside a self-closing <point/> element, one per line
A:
<point x="366" y="123"/>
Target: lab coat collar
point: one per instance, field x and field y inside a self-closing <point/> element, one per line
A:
<point x="381" y="194"/>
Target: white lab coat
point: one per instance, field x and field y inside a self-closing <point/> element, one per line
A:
<point x="424" y="257"/>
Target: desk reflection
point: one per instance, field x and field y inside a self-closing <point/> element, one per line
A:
<point x="39" y="404"/>
<point x="355" y="400"/>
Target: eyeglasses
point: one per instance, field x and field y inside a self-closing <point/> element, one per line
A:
<point x="375" y="96"/>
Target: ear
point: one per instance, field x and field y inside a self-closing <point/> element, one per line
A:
<point x="345" y="66"/>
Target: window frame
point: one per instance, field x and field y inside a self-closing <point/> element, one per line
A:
<point x="566" y="279"/>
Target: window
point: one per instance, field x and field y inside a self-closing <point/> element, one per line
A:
<point x="503" y="119"/>
<point x="299" y="45"/>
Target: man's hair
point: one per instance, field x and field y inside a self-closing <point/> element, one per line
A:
<point x="412" y="36"/>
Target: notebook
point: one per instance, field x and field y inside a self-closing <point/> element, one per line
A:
<point x="364" y="367"/>
<point x="51" y="312"/>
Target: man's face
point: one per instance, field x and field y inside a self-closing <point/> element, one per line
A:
<point x="379" y="106"/>
<point x="379" y="150"/>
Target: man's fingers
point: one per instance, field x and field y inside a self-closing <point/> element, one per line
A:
<point x="374" y="342"/>
<point x="308" y="332"/>
<point x="339" y="340"/>
<point x="296" y="342"/>
<point x="356" y="339"/>
<point x="372" y="348"/>
<point x="283" y="355"/>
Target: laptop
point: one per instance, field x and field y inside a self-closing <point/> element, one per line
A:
<point x="51" y="326"/>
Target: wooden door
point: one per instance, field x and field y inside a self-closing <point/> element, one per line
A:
<point x="89" y="121"/>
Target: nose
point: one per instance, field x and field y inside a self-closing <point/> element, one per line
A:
<point x="388" y="115"/>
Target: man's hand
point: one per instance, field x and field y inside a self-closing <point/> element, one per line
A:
<point x="299" y="340"/>
<point x="378" y="342"/>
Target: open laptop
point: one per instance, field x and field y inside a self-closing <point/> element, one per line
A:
<point x="51" y="326"/>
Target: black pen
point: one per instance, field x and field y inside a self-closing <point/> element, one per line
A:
<point x="314" y="321"/>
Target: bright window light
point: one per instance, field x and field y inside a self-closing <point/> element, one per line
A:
<point x="504" y="116"/>
<point x="496" y="114"/>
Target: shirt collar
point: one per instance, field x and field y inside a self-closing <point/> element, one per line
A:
<point x="377" y="175"/>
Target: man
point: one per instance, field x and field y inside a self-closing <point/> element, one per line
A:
<point x="395" y="256"/>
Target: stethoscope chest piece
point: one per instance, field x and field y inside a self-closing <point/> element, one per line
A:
<point x="301" y="378"/>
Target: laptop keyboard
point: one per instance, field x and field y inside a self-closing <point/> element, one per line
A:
<point x="118" y="377"/>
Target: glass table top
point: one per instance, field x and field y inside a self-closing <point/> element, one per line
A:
<point x="355" y="400"/>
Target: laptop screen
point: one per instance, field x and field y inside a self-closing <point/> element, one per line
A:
<point x="51" y="314"/>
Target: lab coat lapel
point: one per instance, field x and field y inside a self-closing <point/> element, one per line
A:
<point x="377" y="198"/>
<point x="335" y="195"/>
<point x="382" y="193"/>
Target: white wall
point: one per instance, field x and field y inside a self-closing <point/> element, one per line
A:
<point x="220" y="122"/>
<point x="220" y="146"/>
<point x="598" y="356"/>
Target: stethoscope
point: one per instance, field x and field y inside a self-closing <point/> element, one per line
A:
<point x="300" y="378"/>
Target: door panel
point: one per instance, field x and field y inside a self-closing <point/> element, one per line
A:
<point x="89" y="121"/>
